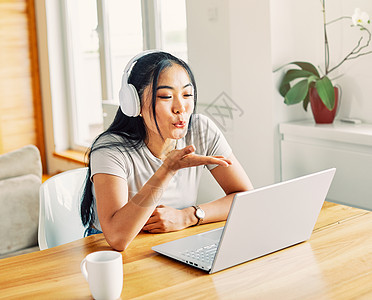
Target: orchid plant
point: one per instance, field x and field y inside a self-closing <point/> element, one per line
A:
<point x="296" y="83"/>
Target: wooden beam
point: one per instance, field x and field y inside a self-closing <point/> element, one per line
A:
<point x="35" y="75"/>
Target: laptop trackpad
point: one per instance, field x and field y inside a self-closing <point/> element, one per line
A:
<point x="213" y="235"/>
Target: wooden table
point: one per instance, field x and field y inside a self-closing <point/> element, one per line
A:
<point x="335" y="264"/>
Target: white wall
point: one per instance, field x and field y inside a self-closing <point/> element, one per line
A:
<point x="208" y="41"/>
<point x="356" y="83"/>
<point x="251" y="76"/>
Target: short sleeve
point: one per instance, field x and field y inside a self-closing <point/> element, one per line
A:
<point x="111" y="161"/>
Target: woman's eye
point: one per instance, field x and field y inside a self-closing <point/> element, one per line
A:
<point x="165" y="97"/>
<point x="188" y="95"/>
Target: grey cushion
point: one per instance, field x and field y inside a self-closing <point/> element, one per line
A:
<point x="20" y="180"/>
<point x="19" y="215"/>
<point x="25" y="160"/>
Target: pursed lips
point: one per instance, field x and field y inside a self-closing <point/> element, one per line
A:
<point x="180" y="124"/>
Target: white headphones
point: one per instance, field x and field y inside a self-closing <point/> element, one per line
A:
<point x="129" y="100"/>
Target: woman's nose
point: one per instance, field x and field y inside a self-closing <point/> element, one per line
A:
<point x="178" y="106"/>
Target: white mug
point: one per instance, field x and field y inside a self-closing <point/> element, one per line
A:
<point x="104" y="272"/>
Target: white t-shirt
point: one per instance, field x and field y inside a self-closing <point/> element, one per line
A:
<point x="137" y="166"/>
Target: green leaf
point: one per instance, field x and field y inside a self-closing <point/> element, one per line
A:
<point x="307" y="67"/>
<point x="306" y="101"/>
<point x="284" y="88"/>
<point x="294" y="74"/>
<point x="326" y="92"/>
<point x="297" y="93"/>
<point x="289" y="76"/>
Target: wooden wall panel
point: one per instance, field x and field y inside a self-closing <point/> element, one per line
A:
<point x="20" y="100"/>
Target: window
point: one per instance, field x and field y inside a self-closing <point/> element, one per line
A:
<point x="101" y="36"/>
<point x="173" y="27"/>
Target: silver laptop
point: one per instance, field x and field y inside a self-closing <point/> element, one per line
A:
<point x="260" y="222"/>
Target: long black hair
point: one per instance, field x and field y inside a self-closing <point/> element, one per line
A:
<point x="130" y="132"/>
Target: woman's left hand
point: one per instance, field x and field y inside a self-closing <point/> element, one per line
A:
<point x="165" y="219"/>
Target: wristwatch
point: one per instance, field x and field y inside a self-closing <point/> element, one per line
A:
<point x="199" y="214"/>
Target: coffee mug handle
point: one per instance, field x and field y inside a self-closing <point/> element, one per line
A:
<point x="83" y="268"/>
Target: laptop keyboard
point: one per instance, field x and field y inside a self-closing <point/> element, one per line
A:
<point x="204" y="254"/>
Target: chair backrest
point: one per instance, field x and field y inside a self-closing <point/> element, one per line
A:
<point x="59" y="218"/>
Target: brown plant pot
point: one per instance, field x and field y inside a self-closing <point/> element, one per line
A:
<point x="322" y="115"/>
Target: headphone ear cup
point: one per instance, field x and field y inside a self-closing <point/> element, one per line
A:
<point x="129" y="101"/>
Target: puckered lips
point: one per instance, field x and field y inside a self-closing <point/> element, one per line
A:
<point x="180" y="124"/>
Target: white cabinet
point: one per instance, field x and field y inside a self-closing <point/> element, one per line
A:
<point x="307" y="147"/>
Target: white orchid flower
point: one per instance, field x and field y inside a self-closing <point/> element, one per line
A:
<point x="360" y="17"/>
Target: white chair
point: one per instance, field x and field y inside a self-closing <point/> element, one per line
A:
<point x="59" y="218"/>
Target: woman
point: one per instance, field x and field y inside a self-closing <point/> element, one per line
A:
<point x="146" y="167"/>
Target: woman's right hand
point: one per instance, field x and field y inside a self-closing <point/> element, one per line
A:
<point x="186" y="158"/>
